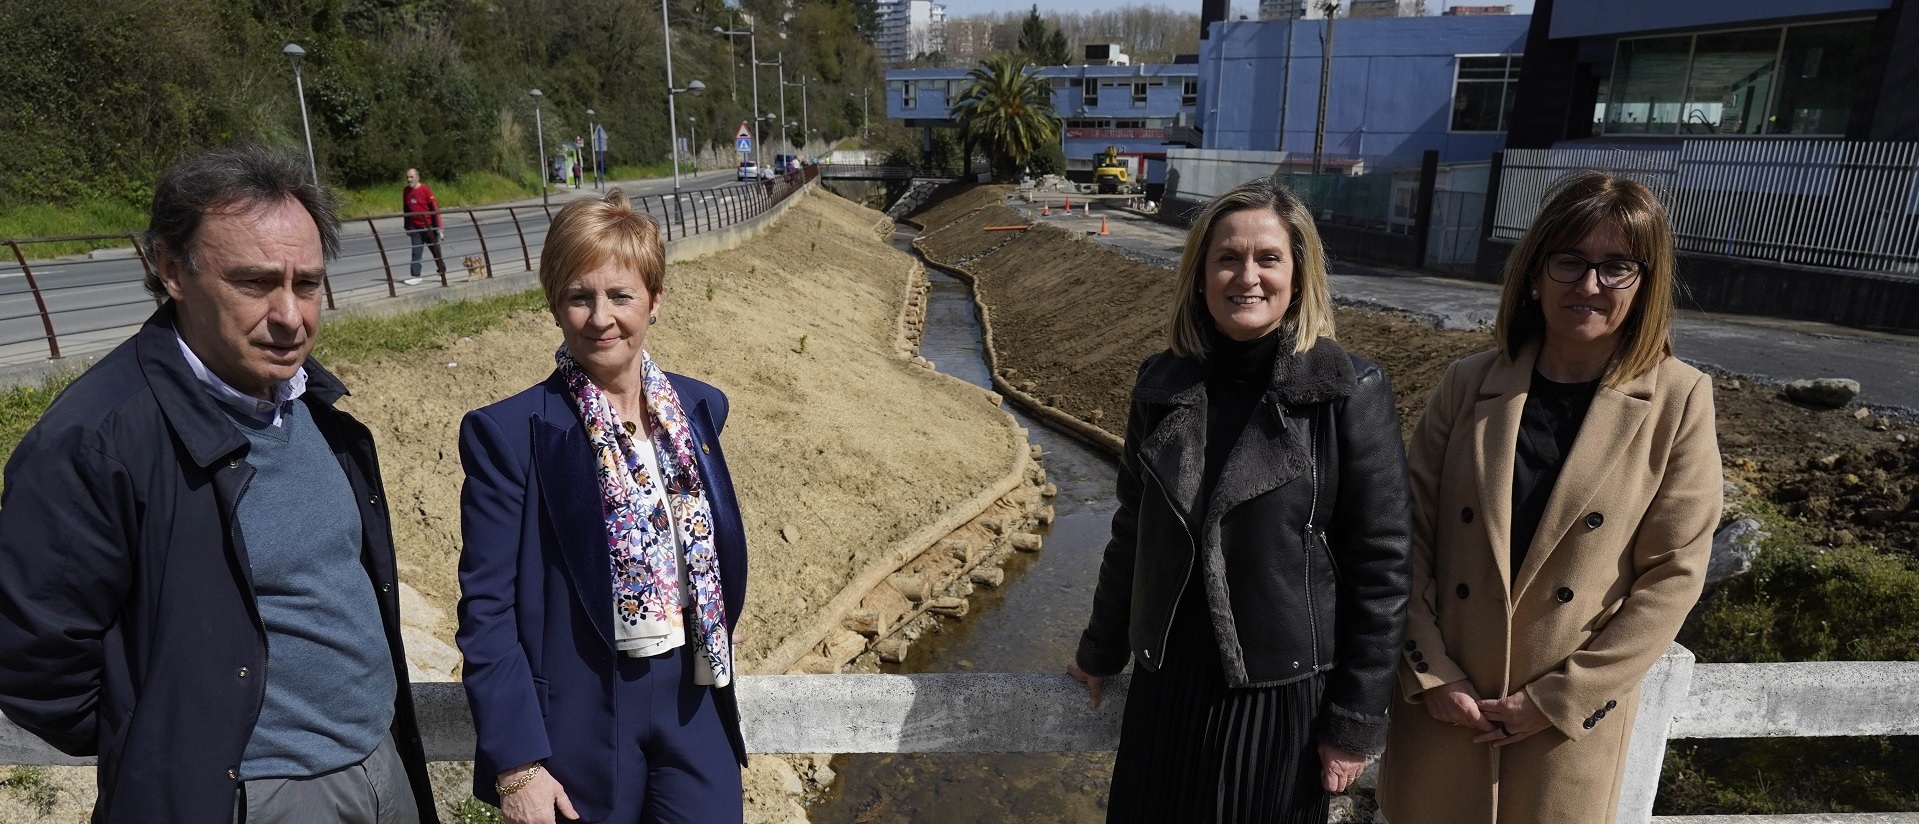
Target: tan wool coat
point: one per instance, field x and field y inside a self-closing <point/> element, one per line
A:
<point x="1617" y="562"/>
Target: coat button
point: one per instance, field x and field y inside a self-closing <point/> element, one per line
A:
<point x="1588" y="724"/>
<point x="1460" y="590"/>
<point x="704" y="450"/>
<point x="1599" y="714"/>
<point x="1563" y="594"/>
<point x="1411" y="646"/>
<point x="1612" y="703"/>
<point x="373" y="500"/>
<point x="1420" y="667"/>
<point x="1417" y="657"/>
<point x="1595" y="519"/>
<point x="243" y="672"/>
<point x="231" y="774"/>
<point x="1147" y="654"/>
<point x="1466" y="515"/>
<point x="231" y="463"/>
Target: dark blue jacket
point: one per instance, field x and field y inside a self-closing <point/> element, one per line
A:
<point x="536" y="603"/>
<point x="128" y="627"/>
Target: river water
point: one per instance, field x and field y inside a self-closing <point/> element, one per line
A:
<point x="1031" y="623"/>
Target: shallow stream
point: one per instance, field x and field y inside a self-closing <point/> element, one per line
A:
<point x="1031" y="623"/>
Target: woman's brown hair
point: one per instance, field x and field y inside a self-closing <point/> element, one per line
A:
<point x="1575" y="206"/>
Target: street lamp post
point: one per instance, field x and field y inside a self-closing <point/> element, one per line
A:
<point x="780" y="61"/>
<point x="1326" y="67"/>
<point x="673" y="116"/>
<point x="753" y="52"/>
<point x="593" y="151"/>
<point x="865" y="92"/>
<point x="294" y="54"/>
<point x="540" y="147"/>
<point x="805" y="128"/>
<point x="693" y="144"/>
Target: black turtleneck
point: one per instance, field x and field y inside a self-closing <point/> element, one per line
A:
<point x="1549" y="423"/>
<point x="1237" y="376"/>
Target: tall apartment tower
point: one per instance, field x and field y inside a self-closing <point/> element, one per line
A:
<point x="911" y="28"/>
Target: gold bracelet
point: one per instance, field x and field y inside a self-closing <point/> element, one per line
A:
<point x="517" y="784"/>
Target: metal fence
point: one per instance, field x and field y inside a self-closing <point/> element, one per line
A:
<point x="52" y="308"/>
<point x="1825" y="203"/>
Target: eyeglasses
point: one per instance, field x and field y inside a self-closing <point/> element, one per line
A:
<point x="1618" y="273"/>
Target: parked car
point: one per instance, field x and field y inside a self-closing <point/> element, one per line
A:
<point x="784" y="163"/>
<point x="749" y="170"/>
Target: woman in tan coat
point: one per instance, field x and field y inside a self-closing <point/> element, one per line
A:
<point x="1566" y="487"/>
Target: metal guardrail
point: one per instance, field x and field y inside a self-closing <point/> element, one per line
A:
<point x="979" y="712"/>
<point x="54" y="308"/>
<point x="1828" y="203"/>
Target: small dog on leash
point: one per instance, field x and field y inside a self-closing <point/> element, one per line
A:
<point x="476" y="268"/>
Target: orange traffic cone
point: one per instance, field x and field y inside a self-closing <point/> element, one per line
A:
<point x="1044" y="211"/>
<point x="1069" y="203"/>
<point x="1103" y="225"/>
<point x="1087" y="209"/>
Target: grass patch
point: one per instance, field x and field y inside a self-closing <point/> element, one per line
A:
<point x="470" y="189"/>
<point x="472" y="810"/>
<point x="22" y="406"/>
<point x="30" y="786"/>
<point x="1799" y="603"/>
<point x="90" y="217"/>
<point x="358" y="339"/>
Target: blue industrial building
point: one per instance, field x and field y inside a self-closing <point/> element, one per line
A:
<point x="1128" y="107"/>
<point x="1399" y="86"/>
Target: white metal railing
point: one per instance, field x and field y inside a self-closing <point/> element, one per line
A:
<point x="1826" y="203"/>
<point x="979" y="712"/>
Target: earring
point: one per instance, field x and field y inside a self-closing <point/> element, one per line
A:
<point x="1536" y="294"/>
<point x="653" y="319"/>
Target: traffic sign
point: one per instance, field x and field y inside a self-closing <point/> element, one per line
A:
<point x="600" y="138"/>
<point x="743" y="145"/>
<point x="744" y="133"/>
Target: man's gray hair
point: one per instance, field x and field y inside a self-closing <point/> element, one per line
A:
<point x="244" y="175"/>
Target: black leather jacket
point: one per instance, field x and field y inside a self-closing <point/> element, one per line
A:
<point x="1303" y="547"/>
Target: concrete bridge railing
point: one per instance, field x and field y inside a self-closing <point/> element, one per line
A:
<point x="978" y="712"/>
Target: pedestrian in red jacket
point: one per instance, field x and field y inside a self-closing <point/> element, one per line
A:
<point x="423" y="224"/>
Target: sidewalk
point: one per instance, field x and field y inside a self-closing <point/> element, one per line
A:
<point x="1769" y="350"/>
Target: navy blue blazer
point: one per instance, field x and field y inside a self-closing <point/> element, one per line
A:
<point x="536" y="603"/>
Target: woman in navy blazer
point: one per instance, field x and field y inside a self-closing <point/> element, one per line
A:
<point x="604" y="561"/>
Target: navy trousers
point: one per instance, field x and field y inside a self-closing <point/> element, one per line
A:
<point x="675" y="763"/>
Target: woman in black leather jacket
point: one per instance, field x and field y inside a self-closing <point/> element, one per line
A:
<point x="1257" y="573"/>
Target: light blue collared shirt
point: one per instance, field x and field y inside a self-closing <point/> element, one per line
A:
<point x="267" y="412"/>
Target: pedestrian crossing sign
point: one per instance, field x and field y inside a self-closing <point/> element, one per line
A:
<point x="743" y="145"/>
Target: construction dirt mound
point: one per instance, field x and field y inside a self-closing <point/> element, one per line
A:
<point x="1072" y="320"/>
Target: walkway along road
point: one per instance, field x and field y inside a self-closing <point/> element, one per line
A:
<point x="1769" y="349"/>
<point x="95" y="301"/>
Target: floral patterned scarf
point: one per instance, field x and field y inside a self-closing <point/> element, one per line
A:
<point x="641" y="536"/>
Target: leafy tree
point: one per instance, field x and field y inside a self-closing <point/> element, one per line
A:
<point x="1006" y="111"/>
<point x="1040" y="43"/>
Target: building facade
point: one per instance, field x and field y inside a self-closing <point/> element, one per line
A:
<point x="1386" y="8"/>
<point x="910" y="29"/>
<point x="1291" y="10"/>
<point x="1456" y="11"/>
<point x="1130" y="108"/>
<point x="1398" y="86"/>
<point x="1599" y="71"/>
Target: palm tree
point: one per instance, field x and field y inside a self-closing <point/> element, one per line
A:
<point x="1007" y="111"/>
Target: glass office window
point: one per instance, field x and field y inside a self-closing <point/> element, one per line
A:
<point x="1729" y="82"/>
<point x="1822" y="70"/>
<point x="1649" y="76"/>
<point x="1483" y="92"/>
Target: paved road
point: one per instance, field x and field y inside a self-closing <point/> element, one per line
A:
<point x="1768" y="349"/>
<point x="96" y="301"/>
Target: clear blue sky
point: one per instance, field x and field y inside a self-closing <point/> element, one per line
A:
<point x="1250" y="8"/>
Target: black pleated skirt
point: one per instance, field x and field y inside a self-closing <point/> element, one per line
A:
<point x="1193" y="750"/>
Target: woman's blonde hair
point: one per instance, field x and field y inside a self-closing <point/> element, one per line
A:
<point x="1311" y="313"/>
<point x="1578" y="204"/>
<point x="588" y="233"/>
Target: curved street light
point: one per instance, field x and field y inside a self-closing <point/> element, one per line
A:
<point x="294" y="55"/>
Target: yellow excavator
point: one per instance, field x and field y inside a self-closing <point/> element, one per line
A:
<point x="1110" y="175"/>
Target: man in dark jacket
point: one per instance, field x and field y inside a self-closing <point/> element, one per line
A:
<point x="422" y="222"/>
<point x="197" y="577"/>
